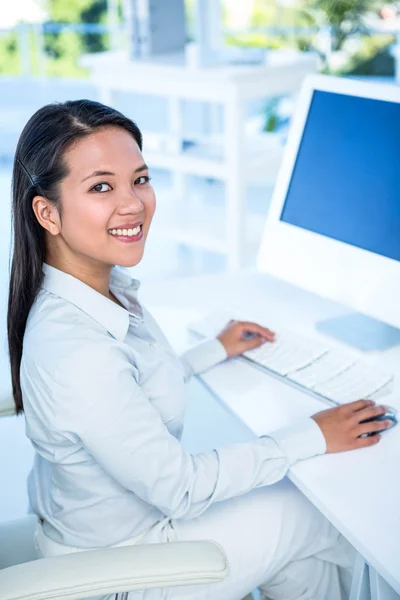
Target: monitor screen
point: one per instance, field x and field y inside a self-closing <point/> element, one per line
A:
<point x="346" y="181"/>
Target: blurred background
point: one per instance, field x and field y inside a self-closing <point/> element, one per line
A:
<point x="212" y="86"/>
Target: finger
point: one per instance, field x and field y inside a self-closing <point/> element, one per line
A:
<point x="368" y="412"/>
<point x="367" y="441"/>
<point x="229" y="324"/>
<point x="373" y="426"/>
<point x="255" y="328"/>
<point x="359" y="405"/>
<point x="254" y="343"/>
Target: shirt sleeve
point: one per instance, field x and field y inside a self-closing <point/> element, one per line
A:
<point x="301" y="439"/>
<point x="203" y="356"/>
<point x="99" y="400"/>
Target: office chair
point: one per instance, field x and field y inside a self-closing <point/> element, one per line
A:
<point x="96" y="572"/>
<point x="24" y="576"/>
<point x="7" y="406"/>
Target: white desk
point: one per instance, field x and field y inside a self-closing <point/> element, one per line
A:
<point x="357" y="491"/>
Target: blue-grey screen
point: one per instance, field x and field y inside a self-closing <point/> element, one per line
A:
<point x="346" y="180"/>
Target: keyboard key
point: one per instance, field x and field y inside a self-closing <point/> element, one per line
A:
<point x="288" y="353"/>
<point x="328" y="366"/>
<point x="360" y="381"/>
<point x="332" y="373"/>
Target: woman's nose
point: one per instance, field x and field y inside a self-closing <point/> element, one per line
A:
<point x="132" y="198"/>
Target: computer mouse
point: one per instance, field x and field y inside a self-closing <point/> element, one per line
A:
<point x="248" y="335"/>
<point x="390" y="414"/>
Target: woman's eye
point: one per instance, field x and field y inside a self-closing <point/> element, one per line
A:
<point x="100" y="187"/>
<point x="143" y="180"/>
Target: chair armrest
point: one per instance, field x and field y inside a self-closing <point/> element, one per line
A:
<point x="111" y="570"/>
<point x="7" y="406"/>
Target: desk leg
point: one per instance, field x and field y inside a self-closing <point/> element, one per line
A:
<point x="360" y="586"/>
<point x="380" y="589"/>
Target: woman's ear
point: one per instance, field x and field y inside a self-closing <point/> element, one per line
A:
<point x="47" y="215"/>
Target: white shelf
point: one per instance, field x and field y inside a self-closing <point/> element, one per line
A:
<point x="169" y="77"/>
<point x="262" y="157"/>
<point x="184" y="162"/>
<point x="193" y="222"/>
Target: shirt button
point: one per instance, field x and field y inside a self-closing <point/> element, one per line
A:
<point x="152" y="346"/>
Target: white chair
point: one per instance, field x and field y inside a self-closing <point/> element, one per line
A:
<point x="96" y="572"/>
<point x="7" y="406"/>
<point x="6" y="409"/>
<point x="24" y="576"/>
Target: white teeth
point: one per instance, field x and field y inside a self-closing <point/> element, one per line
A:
<point x="126" y="232"/>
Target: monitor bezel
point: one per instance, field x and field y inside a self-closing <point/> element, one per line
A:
<point x="358" y="278"/>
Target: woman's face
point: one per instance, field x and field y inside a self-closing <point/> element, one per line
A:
<point x="107" y="189"/>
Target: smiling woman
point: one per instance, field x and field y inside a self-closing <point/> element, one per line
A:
<point x="104" y="394"/>
<point x="64" y="206"/>
<point x="116" y="201"/>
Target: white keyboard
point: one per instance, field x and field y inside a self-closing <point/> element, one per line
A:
<point x="330" y="372"/>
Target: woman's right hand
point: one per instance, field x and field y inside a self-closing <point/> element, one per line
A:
<point x="341" y="425"/>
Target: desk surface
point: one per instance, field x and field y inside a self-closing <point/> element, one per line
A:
<point x="357" y="491"/>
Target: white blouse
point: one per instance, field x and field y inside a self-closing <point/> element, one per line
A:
<point x="105" y="397"/>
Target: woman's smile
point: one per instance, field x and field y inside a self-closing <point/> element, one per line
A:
<point x="127" y="235"/>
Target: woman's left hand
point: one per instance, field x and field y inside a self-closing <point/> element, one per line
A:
<point x="239" y="336"/>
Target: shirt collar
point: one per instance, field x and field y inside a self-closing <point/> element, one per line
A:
<point x="112" y="317"/>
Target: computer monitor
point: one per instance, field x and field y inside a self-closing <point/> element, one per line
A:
<point x="333" y="227"/>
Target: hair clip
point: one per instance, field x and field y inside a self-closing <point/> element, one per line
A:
<point x="27" y="172"/>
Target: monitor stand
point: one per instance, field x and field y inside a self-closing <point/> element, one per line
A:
<point x="360" y="331"/>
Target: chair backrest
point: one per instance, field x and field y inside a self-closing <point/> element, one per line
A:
<point x="7" y="406"/>
<point x="16" y="541"/>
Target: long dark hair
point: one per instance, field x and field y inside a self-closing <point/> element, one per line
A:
<point x="38" y="170"/>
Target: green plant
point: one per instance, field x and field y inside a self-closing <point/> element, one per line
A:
<point x="256" y="40"/>
<point x="62" y="52"/>
<point x="9" y="57"/>
<point x="271" y="115"/>
<point x="372" y="54"/>
<point x="343" y="17"/>
<point x="343" y="20"/>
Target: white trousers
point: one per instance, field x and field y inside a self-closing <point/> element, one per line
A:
<point x="274" y="539"/>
